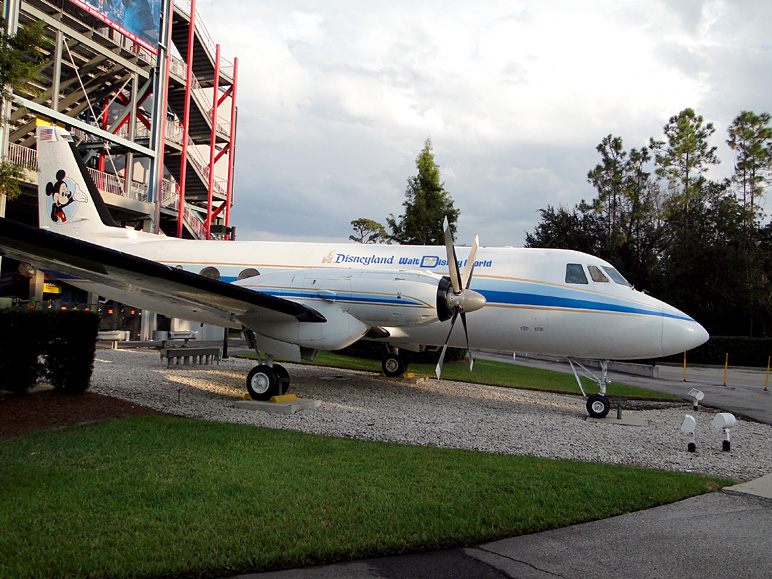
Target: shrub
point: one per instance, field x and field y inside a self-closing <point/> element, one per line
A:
<point x="21" y="334"/>
<point x="57" y="345"/>
<point x="69" y="353"/>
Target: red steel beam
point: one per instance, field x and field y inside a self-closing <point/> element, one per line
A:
<point x="232" y="144"/>
<point x="186" y="120"/>
<point x="212" y="142"/>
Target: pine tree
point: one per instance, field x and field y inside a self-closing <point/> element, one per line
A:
<point x="426" y="204"/>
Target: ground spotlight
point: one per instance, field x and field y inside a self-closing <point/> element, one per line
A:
<point x="696" y="395"/>
<point x="724" y="421"/>
<point x="687" y="427"/>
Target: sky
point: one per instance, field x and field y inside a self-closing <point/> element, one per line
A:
<point x="336" y="98"/>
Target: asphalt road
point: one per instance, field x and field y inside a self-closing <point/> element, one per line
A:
<point x="743" y="394"/>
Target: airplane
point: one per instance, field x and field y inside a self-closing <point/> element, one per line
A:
<point x="293" y="299"/>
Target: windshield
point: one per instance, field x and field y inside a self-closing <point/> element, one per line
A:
<point x="616" y="276"/>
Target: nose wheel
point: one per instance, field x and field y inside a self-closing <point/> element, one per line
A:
<point x="598" y="406"/>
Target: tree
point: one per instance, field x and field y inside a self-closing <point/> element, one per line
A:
<point x="750" y="136"/>
<point x="694" y="242"/>
<point x="20" y="58"/>
<point x="426" y="204"/>
<point x="563" y="229"/>
<point x="607" y="177"/>
<point x="685" y="155"/>
<point x="19" y="63"/>
<point x="368" y="231"/>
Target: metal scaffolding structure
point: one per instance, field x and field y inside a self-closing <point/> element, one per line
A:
<point x="155" y="121"/>
<point x="158" y="128"/>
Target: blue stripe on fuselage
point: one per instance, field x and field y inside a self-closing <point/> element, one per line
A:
<point x="524" y="299"/>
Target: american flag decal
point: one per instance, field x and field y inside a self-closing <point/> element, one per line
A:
<point x="46" y="134"/>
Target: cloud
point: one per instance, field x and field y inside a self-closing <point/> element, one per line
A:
<point x="336" y="99"/>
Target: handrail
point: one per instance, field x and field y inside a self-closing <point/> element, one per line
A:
<point x="227" y="68"/>
<point x="179" y="69"/>
<point x="24" y="156"/>
<point x="193" y="219"/>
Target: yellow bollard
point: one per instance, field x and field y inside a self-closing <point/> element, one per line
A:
<point x="726" y="366"/>
<point x="684" y="366"/>
<point x="766" y="381"/>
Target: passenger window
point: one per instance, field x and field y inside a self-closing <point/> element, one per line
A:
<point x="211" y="272"/>
<point x="596" y="274"/>
<point x="575" y="273"/>
<point x="616" y="276"/>
<point x="249" y="272"/>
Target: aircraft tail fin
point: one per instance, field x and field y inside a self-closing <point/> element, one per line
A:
<point x="68" y="200"/>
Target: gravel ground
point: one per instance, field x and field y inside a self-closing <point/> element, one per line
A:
<point x="440" y="413"/>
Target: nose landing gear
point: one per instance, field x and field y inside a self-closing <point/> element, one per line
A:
<point x="598" y="405"/>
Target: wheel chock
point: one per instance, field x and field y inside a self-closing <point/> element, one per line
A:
<point x="283" y="398"/>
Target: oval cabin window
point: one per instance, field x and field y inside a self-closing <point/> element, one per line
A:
<point x="211" y="272"/>
<point x="249" y="272"/>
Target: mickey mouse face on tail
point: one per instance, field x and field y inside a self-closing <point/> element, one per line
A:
<point x="62" y="196"/>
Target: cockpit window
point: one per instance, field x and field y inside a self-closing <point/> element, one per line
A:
<point x="616" y="276"/>
<point x="596" y="274"/>
<point x="575" y="273"/>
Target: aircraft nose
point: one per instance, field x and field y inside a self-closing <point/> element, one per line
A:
<point x="681" y="333"/>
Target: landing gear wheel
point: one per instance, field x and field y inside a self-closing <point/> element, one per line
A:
<point x="263" y="382"/>
<point x="284" y="378"/>
<point x="598" y="405"/>
<point x="394" y="365"/>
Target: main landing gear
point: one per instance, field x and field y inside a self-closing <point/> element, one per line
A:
<point x="394" y="365"/>
<point x="598" y="405"/>
<point x="266" y="380"/>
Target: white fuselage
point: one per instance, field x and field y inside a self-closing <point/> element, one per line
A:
<point x="531" y="307"/>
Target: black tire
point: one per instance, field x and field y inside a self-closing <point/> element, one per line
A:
<point x="263" y="382"/>
<point x="394" y="365"/>
<point x="598" y="406"/>
<point x="284" y="377"/>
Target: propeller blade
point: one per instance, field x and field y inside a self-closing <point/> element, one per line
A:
<point x="466" y="278"/>
<point x="438" y="369"/>
<point x="455" y="274"/>
<point x="468" y="348"/>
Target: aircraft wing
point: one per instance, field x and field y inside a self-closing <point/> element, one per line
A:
<point x="181" y="289"/>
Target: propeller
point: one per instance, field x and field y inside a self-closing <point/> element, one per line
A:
<point x="454" y="298"/>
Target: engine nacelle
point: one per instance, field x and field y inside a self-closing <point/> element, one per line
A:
<point x="376" y="298"/>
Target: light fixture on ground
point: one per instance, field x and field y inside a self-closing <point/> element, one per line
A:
<point x="688" y="427"/>
<point x="724" y="421"/>
<point x="696" y="395"/>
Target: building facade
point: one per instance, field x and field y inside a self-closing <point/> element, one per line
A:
<point x="151" y="102"/>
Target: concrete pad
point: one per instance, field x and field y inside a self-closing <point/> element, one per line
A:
<point x="279" y="407"/>
<point x="761" y="487"/>
<point x="628" y="419"/>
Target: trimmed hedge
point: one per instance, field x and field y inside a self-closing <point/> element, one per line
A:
<point x="743" y="351"/>
<point x="56" y="345"/>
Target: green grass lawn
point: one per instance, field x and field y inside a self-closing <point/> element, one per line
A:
<point x="164" y="496"/>
<point x="497" y="374"/>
